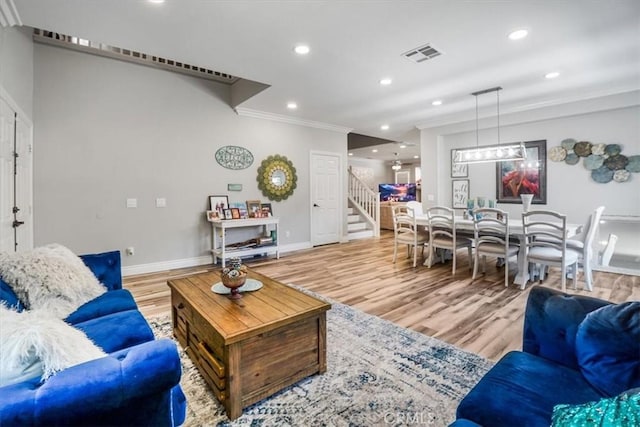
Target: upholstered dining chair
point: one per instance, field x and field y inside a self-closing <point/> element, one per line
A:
<point x="407" y="232"/>
<point x="443" y="234"/>
<point x="546" y="243"/>
<point x="582" y="245"/>
<point x="491" y="237"/>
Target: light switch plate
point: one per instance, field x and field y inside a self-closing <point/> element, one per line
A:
<point x="132" y="203"/>
<point x="161" y="202"/>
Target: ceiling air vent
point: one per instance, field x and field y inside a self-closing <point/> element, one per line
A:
<point x="422" y="53"/>
<point x="101" y="49"/>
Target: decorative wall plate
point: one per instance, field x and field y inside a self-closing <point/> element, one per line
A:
<point x="621" y="176"/>
<point x="593" y="162"/>
<point x="598" y="149"/>
<point x="572" y="159"/>
<point x="612" y="149"/>
<point x="582" y="148"/>
<point x="602" y="175"/>
<point x="634" y="164"/>
<point x="568" y="143"/>
<point x="616" y="162"/>
<point x="277" y="178"/>
<point x="557" y="154"/>
<point x="233" y="157"/>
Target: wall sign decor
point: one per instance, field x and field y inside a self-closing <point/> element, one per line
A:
<point x="458" y="170"/>
<point x="277" y="178"/>
<point x="234" y="187"/>
<point x="233" y="157"/>
<point x="528" y="176"/>
<point x="605" y="161"/>
<point x="460" y="193"/>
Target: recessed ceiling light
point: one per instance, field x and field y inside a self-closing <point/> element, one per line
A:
<point x="518" y="34"/>
<point x="437" y="102"/>
<point x="403" y="146"/>
<point x="156" y="1"/>
<point x="292" y="105"/>
<point x="302" y="49"/>
<point x="386" y="81"/>
<point x="375" y="150"/>
<point x="551" y="75"/>
<point x="384" y="127"/>
<point x="416" y="157"/>
<point x="351" y="154"/>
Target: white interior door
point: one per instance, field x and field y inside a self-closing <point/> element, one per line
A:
<point x="16" y="225"/>
<point x="326" y="198"/>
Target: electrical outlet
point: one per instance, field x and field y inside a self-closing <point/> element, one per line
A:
<point x="287" y="233"/>
<point x="130" y="251"/>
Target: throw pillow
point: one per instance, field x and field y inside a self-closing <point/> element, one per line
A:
<point x="37" y="344"/>
<point x="619" y="411"/>
<point x="50" y="278"/>
<point x="607" y="347"/>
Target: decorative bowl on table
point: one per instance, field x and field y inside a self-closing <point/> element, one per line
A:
<point x="234" y="277"/>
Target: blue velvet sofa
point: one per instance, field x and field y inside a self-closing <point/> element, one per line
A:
<point x="137" y="384"/>
<point x="576" y="350"/>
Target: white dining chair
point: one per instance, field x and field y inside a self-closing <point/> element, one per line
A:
<point x="546" y="243"/>
<point x="607" y="252"/>
<point x="443" y="234"/>
<point x="582" y="245"/>
<point x="491" y="237"/>
<point x="407" y="232"/>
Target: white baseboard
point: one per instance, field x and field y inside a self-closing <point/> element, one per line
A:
<point x="194" y="262"/>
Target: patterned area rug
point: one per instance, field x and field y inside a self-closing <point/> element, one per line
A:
<point x="378" y="374"/>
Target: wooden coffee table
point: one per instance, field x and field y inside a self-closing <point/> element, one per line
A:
<point x="250" y="348"/>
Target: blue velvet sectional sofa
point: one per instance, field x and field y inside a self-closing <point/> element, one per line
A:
<point x="579" y="351"/>
<point x="137" y="384"/>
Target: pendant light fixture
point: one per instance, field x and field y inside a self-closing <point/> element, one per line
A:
<point x="490" y="153"/>
<point x="397" y="164"/>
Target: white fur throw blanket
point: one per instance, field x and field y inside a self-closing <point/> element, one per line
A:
<point x="37" y="344"/>
<point x="50" y="278"/>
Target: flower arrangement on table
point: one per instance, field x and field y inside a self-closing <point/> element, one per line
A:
<point x="234" y="276"/>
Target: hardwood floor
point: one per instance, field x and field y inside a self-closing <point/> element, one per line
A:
<point x="483" y="317"/>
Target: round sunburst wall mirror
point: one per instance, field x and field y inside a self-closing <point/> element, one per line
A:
<point x="277" y="178"/>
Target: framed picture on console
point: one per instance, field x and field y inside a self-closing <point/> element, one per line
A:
<point x="235" y="213"/>
<point x="213" y="215"/>
<point x="218" y="203"/>
<point x="253" y="208"/>
<point x="228" y="214"/>
<point x="266" y="209"/>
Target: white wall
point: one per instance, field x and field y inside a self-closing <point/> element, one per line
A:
<point x="107" y="130"/>
<point x="16" y="67"/>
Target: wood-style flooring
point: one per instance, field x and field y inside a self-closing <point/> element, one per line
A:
<point x="483" y="317"/>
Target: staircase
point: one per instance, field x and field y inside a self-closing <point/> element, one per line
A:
<point x="357" y="228"/>
<point x="363" y="218"/>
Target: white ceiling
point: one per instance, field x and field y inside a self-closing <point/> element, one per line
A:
<point x="595" y="45"/>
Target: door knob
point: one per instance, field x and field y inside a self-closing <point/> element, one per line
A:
<point x="315" y="205"/>
<point x="17" y="224"/>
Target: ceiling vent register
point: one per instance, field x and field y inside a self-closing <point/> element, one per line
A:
<point x="422" y="53"/>
<point x="83" y="45"/>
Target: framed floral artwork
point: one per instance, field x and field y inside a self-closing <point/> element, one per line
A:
<point x="529" y="176"/>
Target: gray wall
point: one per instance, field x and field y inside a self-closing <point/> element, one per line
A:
<point x="107" y="130"/>
<point x="16" y="67"/>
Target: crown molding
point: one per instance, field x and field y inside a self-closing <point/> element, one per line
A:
<point x="248" y="112"/>
<point x="9" y="14"/>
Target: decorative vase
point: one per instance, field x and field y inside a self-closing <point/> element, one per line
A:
<point x="526" y="202"/>
<point x="234" y="276"/>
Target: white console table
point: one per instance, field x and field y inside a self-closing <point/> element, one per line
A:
<point x="219" y="239"/>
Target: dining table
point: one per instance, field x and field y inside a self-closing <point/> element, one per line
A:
<point x="516" y="230"/>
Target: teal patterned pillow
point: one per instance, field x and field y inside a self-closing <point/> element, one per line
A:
<point x="619" y="411"/>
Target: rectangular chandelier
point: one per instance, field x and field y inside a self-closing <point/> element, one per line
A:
<point x="490" y="153"/>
